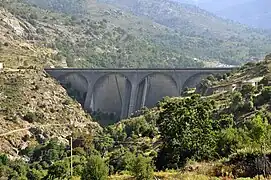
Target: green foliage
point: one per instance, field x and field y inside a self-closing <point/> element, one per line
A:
<point x="3" y="159"/>
<point x="264" y="97"/>
<point x="187" y="131"/>
<point x="119" y="158"/>
<point x="59" y="170"/>
<point x="258" y="129"/>
<point x="19" y="170"/>
<point x="230" y="140"/>
<point x="225" y="121"/>
<point x="95" y="169"/>
<point x="248" y="163"/>
<point x="138" y="127"/>
<point x="52" y="151"/>
<point x="236" y="102"/>
<point x="34" y="174"/>
<point x="141" y="167"/>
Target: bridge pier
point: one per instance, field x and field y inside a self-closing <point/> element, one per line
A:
<point x="126" y="100"/>
<point x="144" y="95"/>
<point x="89" y="98"/>
<point x="133" y="98"/>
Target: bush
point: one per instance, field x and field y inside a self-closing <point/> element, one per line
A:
<point x="250" y="164"/>
<point x="248" y="90"/>
<point x="137" y="127"/>
<point x="30" y="117"/>
<point x="59" y="169"/>
<point x="142" y="168"/>
<point x="95" y="169"/>
<point x="3" y="159"/>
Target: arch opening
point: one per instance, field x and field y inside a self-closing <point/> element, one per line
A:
<point x="76" y="86"/>
<point x="155" y="87"/>
<point x="110" y="98"/>
<point x="194" y="81"/>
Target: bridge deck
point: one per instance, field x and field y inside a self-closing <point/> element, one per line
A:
<point x="139" y="69"/>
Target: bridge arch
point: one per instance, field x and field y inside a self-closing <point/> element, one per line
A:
<point x="153" y="87"/>
<point x="193" y="80"/>
<point x="76" y="85"/>
<point x="111" y="92"/>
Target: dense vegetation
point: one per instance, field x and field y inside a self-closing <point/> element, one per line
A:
<point x="176" y="132"/>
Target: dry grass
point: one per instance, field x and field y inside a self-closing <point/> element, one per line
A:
<point x="183" y="176"/>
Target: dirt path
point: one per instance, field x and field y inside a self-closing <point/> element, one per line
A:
<point x="27" y="128"/>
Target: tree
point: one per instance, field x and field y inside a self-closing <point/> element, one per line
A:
<point x="187" y="131"/>
<point x="141" y="167"/>
<point x="95" y="169"/>
<point x="59" y="169"/>
<point x="258" y="129"/>
<point x="248" y="90"/>
<point x="236" y="101"/>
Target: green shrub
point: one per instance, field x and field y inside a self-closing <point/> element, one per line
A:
<point x="3" y="159"/>
<point x="141" y="168"/>
<point x="248" y="90"/>
<point x="59" y="170"/>
<point x="34" y="174"/>
<point x="137" y="127"/>
<point x="250" y="163"/>
<point x="95" y="169"/>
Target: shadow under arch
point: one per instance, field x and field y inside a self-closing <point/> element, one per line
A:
<point x="154" y="87"/>
<point x="194" y="80"/>
<point x="111" y="93"/>
<point x="76" y="86"/>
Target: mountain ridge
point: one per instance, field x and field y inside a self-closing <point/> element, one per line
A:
<point x="250" y="12"/>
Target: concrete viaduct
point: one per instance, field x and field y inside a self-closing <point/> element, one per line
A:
<point x="124" y="91"/>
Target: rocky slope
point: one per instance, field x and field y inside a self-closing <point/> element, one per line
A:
<point x="33" y="106"/>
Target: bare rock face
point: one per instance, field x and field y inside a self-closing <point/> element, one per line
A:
<point x="20" y="27"/>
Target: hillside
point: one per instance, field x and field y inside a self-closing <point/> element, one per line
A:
<point x="228" y="42"/>
<point x="224" y="133"/>
<point x="169" y="36"/>
<point x="33" y="106"/>
<point x="250" y="12"/>
<point x="81" y="41"/>
<point x="253" y="13"/>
